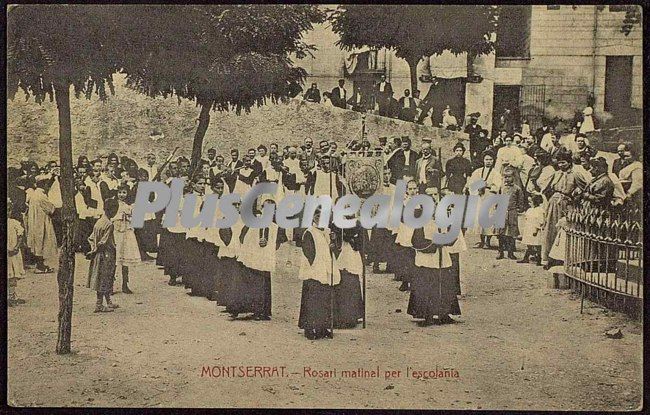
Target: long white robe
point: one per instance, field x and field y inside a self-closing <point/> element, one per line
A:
<point x="587" y="125"/>
<point x="15" y="266"/>
<point x="41" y="239"/>
<point x="255" y="256"/>
<point x="493" y="180"/>
<point x="321" y="269"/>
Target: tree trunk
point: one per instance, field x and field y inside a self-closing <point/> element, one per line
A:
<point x="65" y="274"/>
<point x="471" y="56"/>
<point x="197" y="145"/>
<point x="413" y="66"/>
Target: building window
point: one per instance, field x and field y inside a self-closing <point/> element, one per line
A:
<point x="553" y="7"/>
<point x="513" y="32"/>
<point x="618" y="8"/>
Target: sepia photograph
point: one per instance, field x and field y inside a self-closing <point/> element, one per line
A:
<point x="325" y="206"/>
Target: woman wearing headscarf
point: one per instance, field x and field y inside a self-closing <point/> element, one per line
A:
<point x="561" y="191"/>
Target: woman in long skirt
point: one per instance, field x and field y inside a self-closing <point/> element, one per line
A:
<point x="560" y="191"/>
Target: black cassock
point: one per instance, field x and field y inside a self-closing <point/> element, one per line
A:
<point x="317" y="298"/>
<point x="433" y="291"/>
<point x="348" y="299"/>
<point x="249" y="290"/>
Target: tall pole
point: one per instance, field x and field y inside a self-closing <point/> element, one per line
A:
<point x="331" y="266"/>
<point x="363" y="234"/>
<point x="363" y="274"/>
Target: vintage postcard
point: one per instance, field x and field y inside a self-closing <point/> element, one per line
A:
<point x="325" y="206"/>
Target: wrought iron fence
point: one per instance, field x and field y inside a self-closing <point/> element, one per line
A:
<point x="604" y="256"/>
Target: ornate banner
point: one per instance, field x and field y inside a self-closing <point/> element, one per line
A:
<point x="364" y="173"/>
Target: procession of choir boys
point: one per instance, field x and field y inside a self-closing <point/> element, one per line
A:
<point x="545" y="173"/>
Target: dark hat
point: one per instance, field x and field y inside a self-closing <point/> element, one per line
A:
<point x="599" y="162"/>
<point x="383" y="139"/>
<point x="540" y="153"/>
<point x="488" y="153"/>
<point x="475" y="115"/>
<point x="563" y="155"/>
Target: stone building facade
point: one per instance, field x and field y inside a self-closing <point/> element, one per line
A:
<point x="549" y="61"/>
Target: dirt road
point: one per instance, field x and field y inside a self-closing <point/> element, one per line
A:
<point x="518" y="345"/>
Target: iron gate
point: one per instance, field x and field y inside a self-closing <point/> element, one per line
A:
<point x="532" y="104"/>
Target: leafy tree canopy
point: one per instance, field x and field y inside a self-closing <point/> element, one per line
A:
<point x="417" y="30"/>
<point x="59" y="43"/>
<point x="225" y="56"/>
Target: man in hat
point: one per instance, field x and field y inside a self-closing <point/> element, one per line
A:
<point x="543" y="130"/>
<point x="473" y="128"/>
<point x="383" y="143"/>
<point x="600" y="191"/>
<point x="309" y="153"/>
<point x="428" y="171"/>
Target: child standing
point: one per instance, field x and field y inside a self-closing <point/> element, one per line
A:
<point x="15" y="267"/>
<point x="126" y="243"/>
<point x="102" y="258"/>
<point x="510" y="231"/>
<point x="532" y="232"/>
<point x="557" y="253"/>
